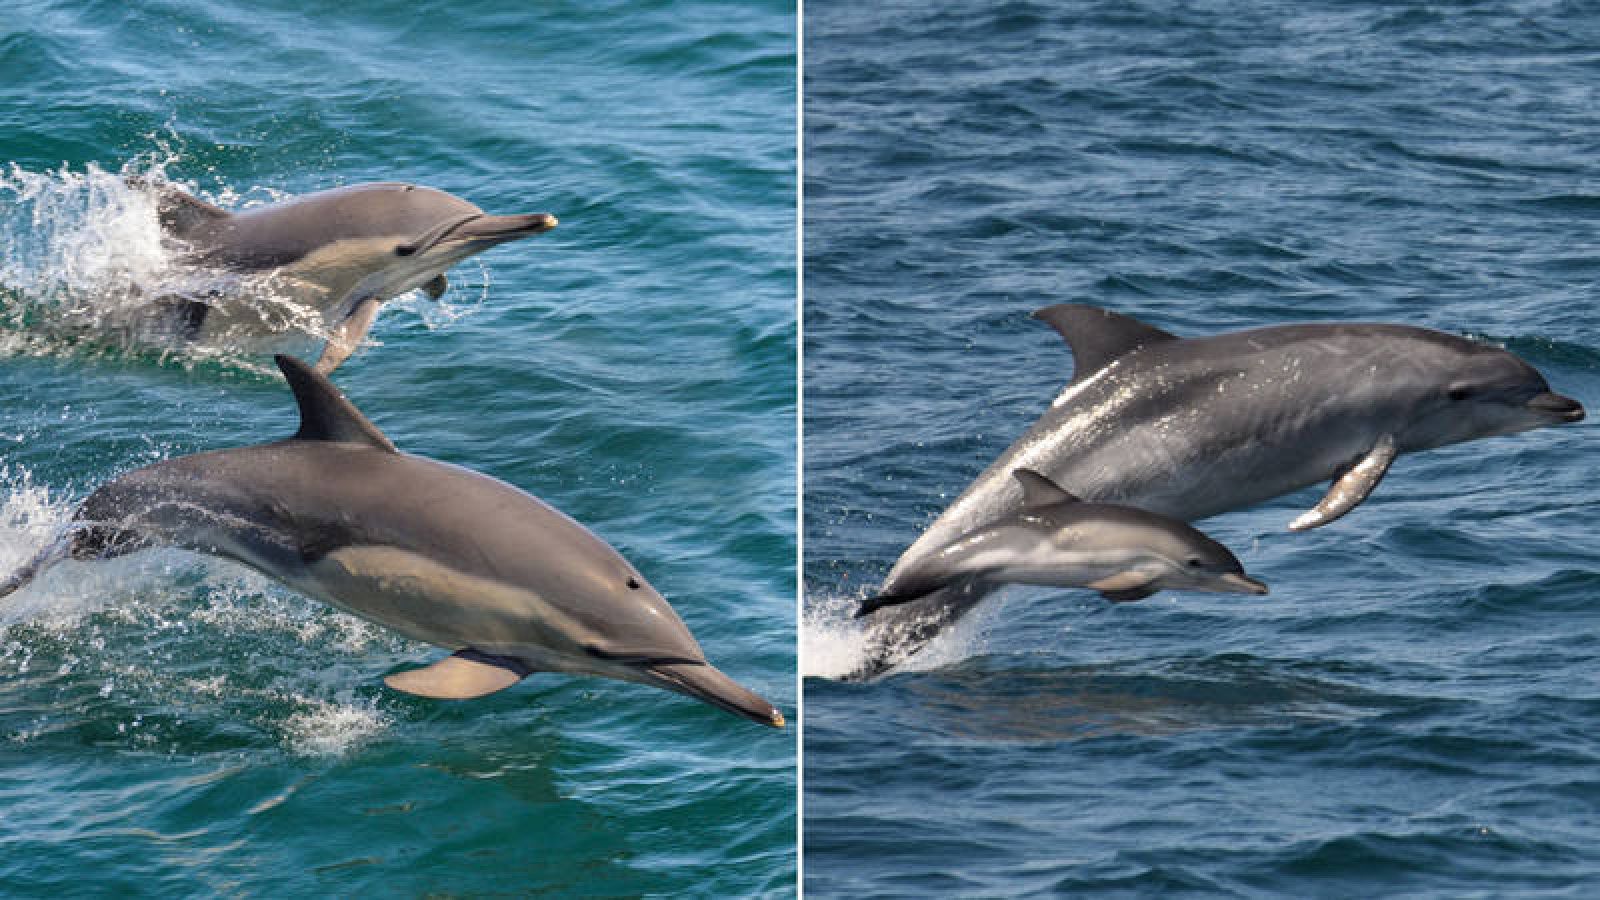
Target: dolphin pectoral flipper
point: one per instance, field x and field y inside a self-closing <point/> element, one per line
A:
<point x="192" y="317"/>
<point x="182" y="315"/>
<point x="1124" y="587"/>
<point x="436" y="286"/>
<point x="1351" y="487"/>
<point x="348" y="335"/>
<point x="463" y="676"/>
<point x="1122" y="581"/>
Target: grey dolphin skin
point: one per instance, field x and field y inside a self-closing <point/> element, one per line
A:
<point x="1192" y="427"/>
<point x="433" y="551"/>
<point x="340" y="253"/>
<point x="1055" y="539"/>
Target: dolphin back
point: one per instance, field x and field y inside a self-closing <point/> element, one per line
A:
<point x="280" y="234"/>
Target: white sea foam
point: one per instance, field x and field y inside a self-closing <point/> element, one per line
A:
<point x="31" y="516"/>
<point x="216" y="599"/>
<point x="832" y="643"/>
<point x="241" y="600"/>
<point x="442" y="313"/>
<point x="34" y="515"/>
<point x="835" y="644"/>
<point x="322" y="727"/>
<point x="84" y="264"/>
<point x="75" y="235"/>
<point x="81" y="256"/>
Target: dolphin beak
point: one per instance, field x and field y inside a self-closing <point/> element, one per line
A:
<point x="705" y="683"/>
<point x="499" y="229"/>
<point x="1562" y="408"/>
<point x="1242" y="584"/>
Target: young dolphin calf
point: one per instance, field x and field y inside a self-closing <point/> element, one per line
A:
<point x="1058" y="540"/>
<point x="434" y="551"/>
<point x="339" y="253"/>
<point x="1192" y="427"/>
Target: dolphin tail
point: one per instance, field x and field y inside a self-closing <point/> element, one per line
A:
<point x="903" y="631"/>
<point x="892" y="598"/>
<point x="911" y="588"/>
<point x="54" y="552"/>
<point x="704" y="682"/>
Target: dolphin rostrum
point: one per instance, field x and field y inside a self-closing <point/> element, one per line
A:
<point x="436" y="552"/>
<point x="1192" y="427"/>
<point x="338" y="254"/>
<point x="1058" y="540"/>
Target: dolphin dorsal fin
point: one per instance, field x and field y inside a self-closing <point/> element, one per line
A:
<point x="1098" y="336"/>
<point x="325" y="414"/>
<point x="178" y="211"/>
<point x="1038" y="490"/>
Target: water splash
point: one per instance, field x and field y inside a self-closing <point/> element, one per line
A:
<point x="832" y="643"/>
<point x="322" y="727"/>
<point x="31" y="515"/>
<point x="161" y="648"/>
<point x="835" y="644"/>
<point x="86" y="269"/>
<point x="76" y="248"/>
<point x="441" y="313"/>
<point x="74" y="233"/>
<point x="86" y="265"/>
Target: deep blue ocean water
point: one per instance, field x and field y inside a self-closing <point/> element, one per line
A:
<point x="1414" y="709"/>
<point x="175" y="726"/>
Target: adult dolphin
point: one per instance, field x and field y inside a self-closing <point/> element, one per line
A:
<point x="1192" y="427"/>
<point x="339" y="253"/>
<point x="434" y="551"/>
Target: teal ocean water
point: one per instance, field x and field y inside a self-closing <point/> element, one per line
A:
<point x="1414" y="709"/>
<point x="177" y="726"/>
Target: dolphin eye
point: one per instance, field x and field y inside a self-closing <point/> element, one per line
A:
<point x="404" y="250"/>
<point x="633" y="583"/>
<point x="1459" y="392"/>
<point x="1196" y="562"/>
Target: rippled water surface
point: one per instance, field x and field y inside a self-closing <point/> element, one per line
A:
<point x="1413" y="709"/>
<point x="172" y="725"/>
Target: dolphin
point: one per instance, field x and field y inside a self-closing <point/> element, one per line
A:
<point x="1055" y="539"/>
<point x="1193" y="427"/>
<point x="433" y="551"/>
<point x="339" y="254"/>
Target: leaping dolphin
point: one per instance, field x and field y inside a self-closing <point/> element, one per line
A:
<point x="1055" y="539"/>
<point x="434" y="551"/>
<point x="1192" y="427"/>
<point x="339" y="253"/>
